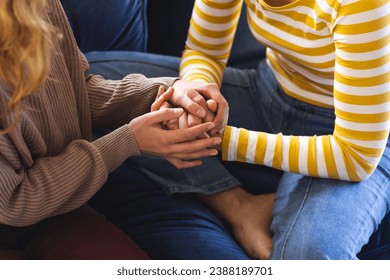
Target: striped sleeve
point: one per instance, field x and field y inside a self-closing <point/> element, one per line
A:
<point x="361" y="92"/>
<point x="210" y="37"/>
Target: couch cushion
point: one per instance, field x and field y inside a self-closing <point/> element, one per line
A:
<point x="108" y="25"/>
<point x="169" y="20"/>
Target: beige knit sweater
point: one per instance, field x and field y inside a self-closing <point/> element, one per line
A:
<point x="49" y="163"/>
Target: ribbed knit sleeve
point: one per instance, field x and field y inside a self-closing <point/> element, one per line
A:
<point x="57" y="184"/>
<point x="49" y="164"/>
<point x="114" y="103"/>
<point x="332" y="53"/>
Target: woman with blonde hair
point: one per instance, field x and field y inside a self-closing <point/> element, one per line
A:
<point x="50" y="165"/>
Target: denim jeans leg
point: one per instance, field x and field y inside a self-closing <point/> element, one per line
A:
<point x="318" y="218"/>
<point x="117" y="64"/>
<point x="210" y="177"/>
<point x="167" y="227"/>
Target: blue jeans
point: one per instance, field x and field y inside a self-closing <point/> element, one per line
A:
<point x="313" y="218"/>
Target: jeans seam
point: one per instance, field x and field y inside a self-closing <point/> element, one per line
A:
<point x="375" y="205"/>
<point x="295" y="218"/>
<point x="204" y="189"/>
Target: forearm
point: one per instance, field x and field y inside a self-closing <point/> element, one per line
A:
<point x="325" y="156"/>
<point x="115" y="103"/>
<point x="58" y="184"/>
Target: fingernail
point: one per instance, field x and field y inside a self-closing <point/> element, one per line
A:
<point x="217" y="141"/>
<point x="211" y="126"/>
<point x="214" y="153"/>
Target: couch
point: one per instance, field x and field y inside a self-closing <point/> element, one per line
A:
<point x="160" y="27"/>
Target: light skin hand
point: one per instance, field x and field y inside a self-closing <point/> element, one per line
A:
<point x="192" y="97"/>
<point x="212" y="92"/>
<point x="161" y="99"/>
<point x="183" y="121"/>
<point x="212" y="105"/>
<point x="181" y="144"/>
<point x="180" y="98"/>
<point x="183" y="160"/>
<point x="161" y="102"/>
<point x="199" y="99"/>
<point x="193" y="120"/>
<point x="187" y="119"/>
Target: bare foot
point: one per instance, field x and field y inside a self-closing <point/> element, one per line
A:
<point x="251" y="223"/>
<point x="250" y="217"/>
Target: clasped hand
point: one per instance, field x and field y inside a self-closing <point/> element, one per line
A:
<point x="183" y="126"/>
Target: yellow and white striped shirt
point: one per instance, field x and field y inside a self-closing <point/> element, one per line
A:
<point x="330" y="53"/>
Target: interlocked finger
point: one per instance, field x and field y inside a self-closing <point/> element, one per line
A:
<point x="192" y="148"/>
<point x="162" y="98"/>
<point x="199" y="99"/>
<point x="187" y="134"/>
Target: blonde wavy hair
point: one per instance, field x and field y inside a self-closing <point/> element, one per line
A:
<point x="25" y="42"/>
